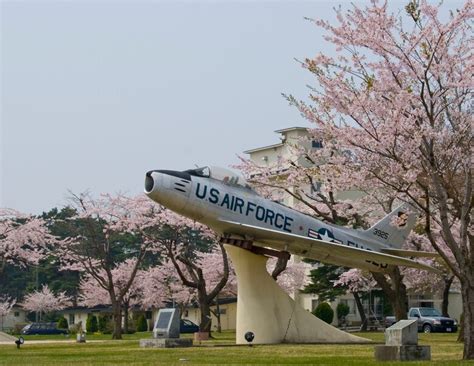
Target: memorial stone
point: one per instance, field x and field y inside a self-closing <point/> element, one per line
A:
<point x="401" y="344"/>
<point x="404" y="332"/>
<point x="167" y="324"/>
<point x="166" y="331"/>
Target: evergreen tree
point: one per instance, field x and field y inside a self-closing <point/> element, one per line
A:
<point x="322" y="282"/>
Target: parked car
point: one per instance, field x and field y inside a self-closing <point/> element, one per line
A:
<point x="429" y="320"/>
<point x="42" y="328"/>
<point x="187" y="326"/>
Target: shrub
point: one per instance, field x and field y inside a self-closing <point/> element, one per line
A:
<point x="62" y="323"/>
<point x="109" y="326"/>
<point x="324" y="312"/>
<point x="342" y="310"/>
<point x="75" y="328"/>
<point x="142" y="325"/>
<point x="129" y="331"/>
<point x="102" y="323"/>
<point x="91" y="324"/>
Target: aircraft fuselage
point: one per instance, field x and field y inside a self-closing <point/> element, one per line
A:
<point x="212" y="202"/>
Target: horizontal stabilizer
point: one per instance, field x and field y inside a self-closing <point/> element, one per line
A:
<point x="305" y="246"/>
<point x="411" y="253"/>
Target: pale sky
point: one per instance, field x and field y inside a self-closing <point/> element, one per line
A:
<point x="94" y="94"/>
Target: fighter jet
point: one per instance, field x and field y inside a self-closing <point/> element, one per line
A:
<point x="223" y="200"/>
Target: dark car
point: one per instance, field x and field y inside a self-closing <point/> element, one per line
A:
<point x="187" y="326"/>
<point x="42" y="328"/>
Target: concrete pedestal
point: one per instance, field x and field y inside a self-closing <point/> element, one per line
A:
<point x="166" y="342"/>
<point x="402" y="353"/>
<point x="266" y="310"/>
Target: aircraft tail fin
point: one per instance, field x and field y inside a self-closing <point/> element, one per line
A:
<point x="394" y="228"/>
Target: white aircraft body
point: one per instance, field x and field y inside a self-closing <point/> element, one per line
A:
<point x="223" y="201"/>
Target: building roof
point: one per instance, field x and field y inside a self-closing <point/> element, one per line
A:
<point x="263" y="148"/>
<point x="283" y="130"/>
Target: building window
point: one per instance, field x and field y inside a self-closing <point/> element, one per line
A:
<point x="316" y="187"/>
<point x="316" y="144"/>
<point x="16" y="314"/>
<point x="223" y="311"/>
<point x="71" y="319"/>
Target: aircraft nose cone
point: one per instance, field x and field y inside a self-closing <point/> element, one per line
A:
<point x="151" y="181"/>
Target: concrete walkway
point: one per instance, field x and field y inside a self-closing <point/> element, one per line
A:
<point x="47" y="341"/>
<point x="4" y="337"/>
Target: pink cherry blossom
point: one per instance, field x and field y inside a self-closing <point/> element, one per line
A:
<point x="45" y="301"/>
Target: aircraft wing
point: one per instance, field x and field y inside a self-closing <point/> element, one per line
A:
<point x="410" y="253"/>
<point x="301" y="245"/>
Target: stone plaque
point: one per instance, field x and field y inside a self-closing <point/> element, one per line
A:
<point x="167" y="324"/>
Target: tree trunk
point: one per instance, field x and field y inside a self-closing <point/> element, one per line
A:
<point x="360" y="309"/>
<point x="117" y="313"/>
<point x="395" y="291"/>
<point x="125" y="318"/>
<point x="461" y="329"/>
<point x="280" y="266"/>
<point x="448" y="280"/>
<point x="467" y="290"/>
<point x="218" y="316"/>
<point x="205" y="323"/>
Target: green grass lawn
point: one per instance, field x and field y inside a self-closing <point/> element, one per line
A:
<point x="221" y="350"/>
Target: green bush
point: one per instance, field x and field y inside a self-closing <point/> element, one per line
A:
<point x="91" y="324"/>
<point x="324" y="312"/>
<point x="142" y="325"/>
<point x="342" y="310"/>
<point x="62" y="323"/>
<point x="102" y="323"/>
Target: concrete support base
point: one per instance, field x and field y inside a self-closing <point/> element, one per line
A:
<point x="266" y="310"/>
<point x="166" y="342"/>
<point x="402" y="353"/>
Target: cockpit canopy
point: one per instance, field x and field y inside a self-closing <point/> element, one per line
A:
<point x="222" y="174"/>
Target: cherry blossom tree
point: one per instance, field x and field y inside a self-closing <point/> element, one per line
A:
<point x="161" y="285"/>
<point x="92" y="294"/>
<point x="200" y="262"/>
<point x="289" y="177"/>
<point x="213" y="273"/>
<point x="23" y="238"/>
<point x="110" y="230"/>
<point x="45" y="301"/>
<point x="398" y="96"/>
<point x="293" y="278"/>
<point x="6" y="304"/>
<point x="192" y="268"/>
<point x="115" y="228"/>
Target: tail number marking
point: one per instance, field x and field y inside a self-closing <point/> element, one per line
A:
<point x="380" y="233"/>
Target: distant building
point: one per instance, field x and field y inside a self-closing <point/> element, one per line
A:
<point x="15" y="317"/>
